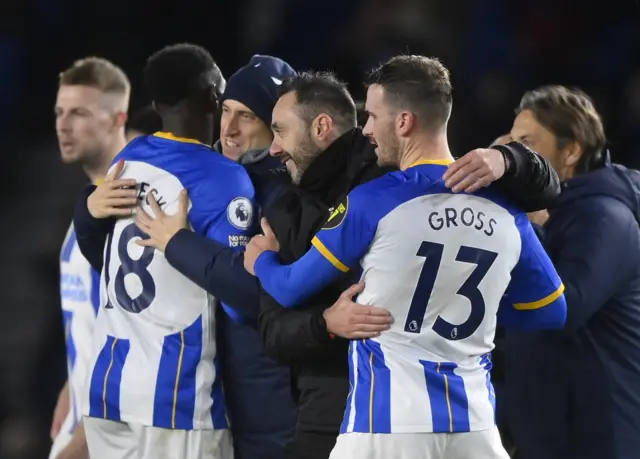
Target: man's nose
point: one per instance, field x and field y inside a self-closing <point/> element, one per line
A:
<point x="367" y="130"/>
<point x="230" y="128"/>
<point x="275" y="149"/>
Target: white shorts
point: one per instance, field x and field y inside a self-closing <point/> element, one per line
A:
<point x="484" y="444"/>
<point x="60" y="443"/>
<point x="117" y="440"/>
<point x="64" y="436"/>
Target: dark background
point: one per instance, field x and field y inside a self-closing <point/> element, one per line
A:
<point x="495" y="49"/>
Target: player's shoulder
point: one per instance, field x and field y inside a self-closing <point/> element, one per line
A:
<point x="492" y="194"/>
<point x="179" y="156"/>
<point x="198" y="168"/>
<point x="395" y="188"/>
<point x="373" y="200"/>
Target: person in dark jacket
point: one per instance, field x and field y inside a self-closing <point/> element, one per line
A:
<point x="257" y="389"/>
<point x="327" y="156"/>
<point x="215" y="268"/>
<point x="574" y="393"/>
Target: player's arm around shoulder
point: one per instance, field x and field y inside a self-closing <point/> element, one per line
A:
<point x="345" y="237"/>
<point x="516" y="170"/>
<point x="97" y="210"/>
<point x="530" y="180"/>
<point x="534" y="299"/>
<point x="336" y="248"/>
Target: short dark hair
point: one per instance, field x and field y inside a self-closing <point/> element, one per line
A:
<point x="322" y="92"/>
<point x="570" y="114"/>
<point x="146" y="121"/>
<point x="416" y="83"/>
<point x="173" y="73"/>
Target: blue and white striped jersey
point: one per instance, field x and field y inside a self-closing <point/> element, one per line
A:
<point x="154" y="349"/>
<point x="442" y="264"/>
<point x="80" y="299"/>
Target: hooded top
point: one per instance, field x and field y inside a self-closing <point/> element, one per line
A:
<point x="610" y="182"/>
<point x="565" y="385"/>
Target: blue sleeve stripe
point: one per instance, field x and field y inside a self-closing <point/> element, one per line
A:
<point x="175" y="395"/>
<point x="328" y="255"/>
<point x="547" y="300"/>
<point x="104" y="398"/>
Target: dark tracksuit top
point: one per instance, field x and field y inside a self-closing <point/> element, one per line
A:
<point x="575" y="393"/>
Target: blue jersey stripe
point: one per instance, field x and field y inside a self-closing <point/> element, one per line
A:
<point x="347" y="412"/>
<point x="486" y="362"/>
<point x="372" y="390"/>
<point x="219" y="417"/>
<point x="69" y="244"/>
<point x="362" y="389"/>
<point x="104" y="396"/>
<point x="381" y="381"/>
<point x="175" y="395"/>
<point x="448" y="397"/>
<point x="67" y="320"/>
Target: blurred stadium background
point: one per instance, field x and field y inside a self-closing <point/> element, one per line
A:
<point x="495" y="49"/>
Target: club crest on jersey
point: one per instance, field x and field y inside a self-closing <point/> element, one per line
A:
<point x="337" y="215"/>
<point x="240" y="213"/>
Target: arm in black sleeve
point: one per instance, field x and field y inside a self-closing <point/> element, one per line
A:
<point x="293" y="336"/>
<point x="216" y="268"/>
<point x="91" y="232"/>
<point x="529" y="179"/>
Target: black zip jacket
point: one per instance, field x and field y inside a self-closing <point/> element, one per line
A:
<point x="298" y="337"/>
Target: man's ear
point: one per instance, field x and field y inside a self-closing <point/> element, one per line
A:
<point x="572" y="153"/>
<point x="405" y="123"/>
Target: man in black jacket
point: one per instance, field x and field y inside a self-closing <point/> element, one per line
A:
<point x="326" y="156"/>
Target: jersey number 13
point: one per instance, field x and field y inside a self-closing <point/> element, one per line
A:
<point x="432" y="251"/>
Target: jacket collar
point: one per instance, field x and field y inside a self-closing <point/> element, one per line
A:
<point x="334" y="170"/>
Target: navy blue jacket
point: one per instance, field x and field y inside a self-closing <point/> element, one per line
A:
<point x="220" y="271"/>
<point x="575" y="393"/>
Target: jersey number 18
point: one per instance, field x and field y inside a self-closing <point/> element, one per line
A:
<point x="139" y="267"/>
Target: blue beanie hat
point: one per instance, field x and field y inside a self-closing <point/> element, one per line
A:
<point x="257" y="85"/>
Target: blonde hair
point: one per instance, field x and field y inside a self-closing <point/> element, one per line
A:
<point x="99" y="73"/>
